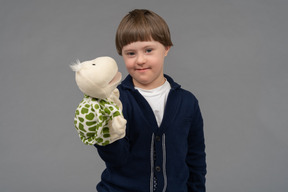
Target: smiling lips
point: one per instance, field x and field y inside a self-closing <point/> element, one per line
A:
<point x="142" y="69"/>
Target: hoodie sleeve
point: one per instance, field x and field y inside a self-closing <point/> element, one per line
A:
<point x="114" y="154"/>
<point x="196" y="158"/>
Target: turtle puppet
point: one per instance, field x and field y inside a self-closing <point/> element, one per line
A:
<point x="98" y="117"/>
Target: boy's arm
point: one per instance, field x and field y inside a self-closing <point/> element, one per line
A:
<point x="196" y="158"/>
<point x="116" y="153"/>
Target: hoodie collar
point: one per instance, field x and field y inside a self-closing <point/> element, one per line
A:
<point x="128" y="83"/>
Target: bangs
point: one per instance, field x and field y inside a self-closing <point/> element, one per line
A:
<point x="133" y="34"/>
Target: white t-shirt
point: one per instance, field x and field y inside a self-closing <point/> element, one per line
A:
<point x="157" y="99"/>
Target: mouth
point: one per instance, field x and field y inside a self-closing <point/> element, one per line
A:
<point x="142" y="70"/>
<point x="116" y="79"/>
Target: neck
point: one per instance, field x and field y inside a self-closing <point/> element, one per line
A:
<point x="154" y="85"/>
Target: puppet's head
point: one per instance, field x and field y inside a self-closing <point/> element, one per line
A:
<point x="97" y="78"/>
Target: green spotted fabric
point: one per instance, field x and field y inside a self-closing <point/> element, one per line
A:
<point x="92" y="119"/>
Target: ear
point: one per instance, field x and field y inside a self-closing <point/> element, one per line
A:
<point x="167" y="49"/>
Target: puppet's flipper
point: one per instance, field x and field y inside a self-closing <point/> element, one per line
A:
<point x="117" y="128"/>
<point x="114" y="97"/>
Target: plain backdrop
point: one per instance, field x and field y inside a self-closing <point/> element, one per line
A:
<point x="232" y="54"/>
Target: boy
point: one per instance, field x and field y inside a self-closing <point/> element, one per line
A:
<point x="163" y="149"/>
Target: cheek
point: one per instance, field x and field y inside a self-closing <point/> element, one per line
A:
<point x="158" y="62"/>
<point x="128" y="64"/>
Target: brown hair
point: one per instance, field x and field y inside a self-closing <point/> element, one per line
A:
<point x="142" y="25"/>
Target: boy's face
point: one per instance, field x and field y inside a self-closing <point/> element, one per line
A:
<point x="144" y="62"/>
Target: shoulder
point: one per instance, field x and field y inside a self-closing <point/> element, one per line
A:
<point x="183" y="93"/>
<point x="187" y="99"/>
<point x="187" y="94"/>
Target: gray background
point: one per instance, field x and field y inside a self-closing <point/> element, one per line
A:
<point x="232" y="54"/>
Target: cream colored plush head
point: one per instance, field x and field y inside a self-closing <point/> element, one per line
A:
<point x="97" y="78"/>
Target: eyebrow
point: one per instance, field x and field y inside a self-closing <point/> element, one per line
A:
<point x="128" y="50"/>
<point x="145" y="47"/>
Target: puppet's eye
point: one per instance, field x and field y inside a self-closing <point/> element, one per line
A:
<point x="94" y="64"/>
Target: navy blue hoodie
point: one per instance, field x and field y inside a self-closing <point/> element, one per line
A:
<point x="168" y="158"/>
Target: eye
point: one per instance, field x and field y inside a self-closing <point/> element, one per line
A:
<point x="93" y="64"/>
<point x="130" y="53"/>
<point x="148" y="50"/>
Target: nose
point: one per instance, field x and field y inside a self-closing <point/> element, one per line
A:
<point x="141" y="59"/>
